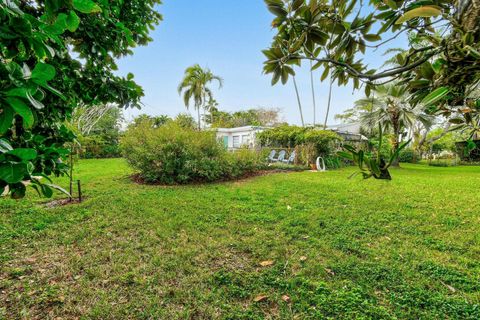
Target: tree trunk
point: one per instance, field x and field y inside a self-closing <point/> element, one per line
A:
<point x="313" y="95"/>
<point x="198" y="115"/>
<point x="298" y="100"/>
<point x="396" y="144"/>
<point x="328" y="104"/>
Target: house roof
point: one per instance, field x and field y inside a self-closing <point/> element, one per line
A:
<point x="349" y="131"/>
<point x="239" y="129"/>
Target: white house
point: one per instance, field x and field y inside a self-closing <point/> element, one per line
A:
<point x="349" y="131"/>
<point x="235" y="138"/>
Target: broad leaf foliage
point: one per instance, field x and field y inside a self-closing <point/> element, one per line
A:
<point x="55" y="56"/>
<point x="440" y="68"/>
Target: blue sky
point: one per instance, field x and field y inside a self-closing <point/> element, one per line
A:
<point x="227" y="37"/>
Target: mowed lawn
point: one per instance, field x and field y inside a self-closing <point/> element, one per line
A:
<point x="332" y="248"/>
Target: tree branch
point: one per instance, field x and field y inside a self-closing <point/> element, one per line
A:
<point x="371" y="77"/>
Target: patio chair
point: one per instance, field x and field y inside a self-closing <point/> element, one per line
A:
<point x="271" y="156"/>
<point x="281" y="156"/>
<point x="290" y="159"/>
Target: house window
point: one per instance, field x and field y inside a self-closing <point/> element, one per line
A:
<point x="236" y="141"/>
<point x="245" y="140"/>
<point x="225" y="141"/>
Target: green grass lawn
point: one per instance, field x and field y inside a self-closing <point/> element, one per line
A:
<point x="341" y="249"/>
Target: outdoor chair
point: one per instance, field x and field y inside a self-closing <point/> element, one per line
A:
<point x="271" y="156"/>
<point x="281" y="156"/>
<point x="290" y="159"/>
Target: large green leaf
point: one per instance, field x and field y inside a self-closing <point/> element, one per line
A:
<point x="86" y="6"/>
<point x="297" y="4"/>
<point x="73" y="21"/>
<point x="276" y="7"/>
<point x="13" y="172"/>
<point x="18" y="191"/>
<point x="27" y="94"/>
<point x="24" y="153"/>
<point x="46" y="191"/>
<point x="424" y="11"/>
<point x="6" y="119"/>
<point x="43" y="72"/>
<point x="5" y="146"/>
<point x="435" y="96"/>
<point x="372" y="37"/>
<point x="58" y="188"/>
<point x="22" y="109"/>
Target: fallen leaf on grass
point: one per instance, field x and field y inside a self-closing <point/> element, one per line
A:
<point x="286" y="298"/>
<point x="260" y="298"/>
<point x="267" y="263"/>
<point x="329" y="271"/>
<point x="303" y="258"/>
<point x="452" y="289"/>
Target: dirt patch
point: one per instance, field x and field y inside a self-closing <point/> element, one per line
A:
<point x="139" y="180"/>
<point x="61" y="203"/>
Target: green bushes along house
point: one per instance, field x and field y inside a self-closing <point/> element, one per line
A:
<point x="172" y="154"/>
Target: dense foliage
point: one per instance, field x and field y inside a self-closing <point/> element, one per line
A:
<point x="285" y="136"/>
<point x="172" y="154"/>
<point x="55" y="56"/>
<point x="440" y="67"/>
<point x="469" y="150"/>
<point x="99" y="146"/>
<point x="101" y="137"/>
<point x="407" y="155"/>
<point x="251" y="117"/>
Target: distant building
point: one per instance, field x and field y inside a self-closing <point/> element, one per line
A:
<point x="349" y="131"/>
<point x="236" y="138"/>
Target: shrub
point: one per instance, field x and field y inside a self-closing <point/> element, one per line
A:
<point x="385" y="146"/>
<point x="323" y="141"/>
<point x="99" y="146"/>
<point x="407" y="155"/>
<point x="306" y="154"/>
<point x="172" y="154"/>
<point x="335" y="162"/>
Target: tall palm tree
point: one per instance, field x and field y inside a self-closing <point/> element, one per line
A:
<point x="328" y="103"/>
<point x="194" y="86"/>
<point x="298" y="100"/>
<point x="313" y="95"/>
<point x="391" y="109"/>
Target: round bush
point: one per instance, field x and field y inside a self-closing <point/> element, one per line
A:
<point x="171" y="154"/>
<point x="407" y="155"/>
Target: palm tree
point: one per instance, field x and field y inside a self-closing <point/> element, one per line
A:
<point x="313" y="95"/>
<point x="328" y="103"/>
<point x="195" y="86"/>
<point x="392" y="111"/>
<point x="298" y="100"/>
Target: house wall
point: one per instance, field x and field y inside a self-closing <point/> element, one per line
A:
<point x="236" y="138"/>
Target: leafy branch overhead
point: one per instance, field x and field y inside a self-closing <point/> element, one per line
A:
<point x="55" y="56"/>
<point x="440" y="66"/>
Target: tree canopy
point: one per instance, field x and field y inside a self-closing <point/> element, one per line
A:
<point x="55" y="56"/>
<point x="440" y="68"/>
<point x="252" y="117"/>
<point x="194" y="86"/>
